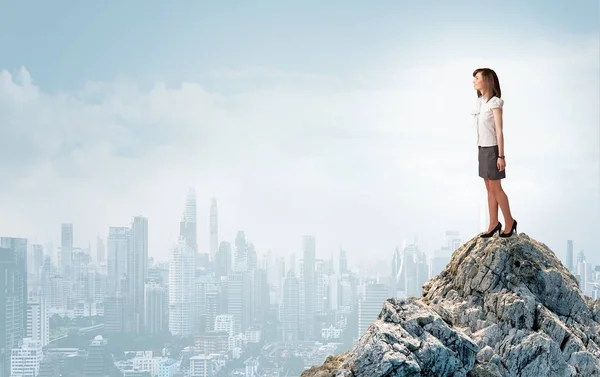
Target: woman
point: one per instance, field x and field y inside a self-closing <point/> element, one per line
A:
<point x="490" y="141"/>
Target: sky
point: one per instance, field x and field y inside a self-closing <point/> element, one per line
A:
<point x="346" y="120"/>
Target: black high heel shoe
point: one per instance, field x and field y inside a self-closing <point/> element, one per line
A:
<point x="512" y="229"/>
<point x="490" y="234"/>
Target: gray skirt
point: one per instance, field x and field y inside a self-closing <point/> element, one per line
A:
<point x="488" y="159"/>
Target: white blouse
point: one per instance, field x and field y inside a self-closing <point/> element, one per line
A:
<point x="483" y="118"/>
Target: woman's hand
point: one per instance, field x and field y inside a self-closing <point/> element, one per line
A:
<point x="501" y="164"/>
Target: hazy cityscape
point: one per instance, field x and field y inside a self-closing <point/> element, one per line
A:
<point x="212" y="189"/>
<point x="223" y="309"/>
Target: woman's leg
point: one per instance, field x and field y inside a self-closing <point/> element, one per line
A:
<point x="502" y="200"/>
<point x="492" y="205"/>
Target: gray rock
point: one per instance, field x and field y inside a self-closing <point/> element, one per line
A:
<point x="501" y="307"/>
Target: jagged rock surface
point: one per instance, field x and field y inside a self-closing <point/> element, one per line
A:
<point x="501" y="308"/>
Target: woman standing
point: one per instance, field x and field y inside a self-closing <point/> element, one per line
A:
<point x="490" y="141"/>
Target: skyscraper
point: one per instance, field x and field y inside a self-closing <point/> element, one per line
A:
<point x="222" y="263"/>
<point x="289" y="311"/>
<point x="308" y="277"/>
<point x="370" y="305"/>
<point x="100" y="251"/>
<point x="181" y="281"/>
<point x="241" y="252"/>
<point x="66" y="247"/>
<point x="214" y="230"/>
<point x="187" y="227"/>
<point x="137" y="271"/>
<point x="118" y="253"/>
<point x="13" y="297"/>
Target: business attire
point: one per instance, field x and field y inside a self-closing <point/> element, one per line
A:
<point x="487" y="141"/>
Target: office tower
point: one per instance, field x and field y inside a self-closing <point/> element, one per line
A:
<point x="241" y="252"/>
<point x="38" y="321"/>
<point x="100" y="251"/>
<point x="214" y="230"/>
<point x="212" y="307"/>
<point x="187" y="227"/>
<point x="343" y="268"/>
<point x="137" y="271"/>
<point x="25" y="360"/>
<point x="251" y="257"/>
<point x="118" y="251"/>
<point x="370" y="305"/>
<point x="289" y="311"/>
<point x="259" y="296"/>
<point x="114" y="311"/>
<point x="309" y="280"/>
<point x="222" y="261"/>
<point x="415" y="277"/>
<point x="35" y="261"/>
<point x="237" y="299"/>
<point x="181" y="288"/>
<point x="13" y="297"/>
<point x="156" y="318"/>
<point x="66" y="247"/>
<point x="333" y="297"/>
<point x="319" y="287"/>
<point x="569" y="265"/>
<point x="203" y="284"/>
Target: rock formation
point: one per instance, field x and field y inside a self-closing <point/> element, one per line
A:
<point x="502" y="307"/>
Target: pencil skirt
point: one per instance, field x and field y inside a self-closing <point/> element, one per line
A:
<point x="488" y="159"/>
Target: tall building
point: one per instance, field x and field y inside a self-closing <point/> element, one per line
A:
<point x="38" y="321"/>
<point x="156" y="317"/>
<point x="188" y="227"/>
<point x="13" y="297"/>
<point x="66" y="247"/>
<point x="570" y="266"/>
<point x="26" y="360"/>
<point x="137" y="271"/>
<point x="343" y="268"/>
<point x="118" y="251"/>
<point x="100" y="251"/>
<point x="222" y="262"/>
<point x="320" y="292"/>
<point x="289" y="311"/>
<point x="241" y="252"/>
<point x="214" y="230"/>
<point x="370" y="305"/>
<point x="35" y="261"/>
<point x="309" y="283"/>
<point x="182" y="271"/>
<point x="114" y="309"/>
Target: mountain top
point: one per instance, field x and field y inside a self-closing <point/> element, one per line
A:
<point x="502" y="307"/>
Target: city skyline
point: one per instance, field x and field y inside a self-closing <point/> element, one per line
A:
<point x="352" y="126"/>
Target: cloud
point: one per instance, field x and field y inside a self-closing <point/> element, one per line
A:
<point x="363" y="161"/>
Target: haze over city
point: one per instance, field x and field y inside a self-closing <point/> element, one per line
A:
<point x="350" y="123"/>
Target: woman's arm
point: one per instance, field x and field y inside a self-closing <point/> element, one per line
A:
<point x="499" y="134"/>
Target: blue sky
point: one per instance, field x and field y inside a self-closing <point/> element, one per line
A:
<point x="346" y="120"/>
<point x="64" y="43"/>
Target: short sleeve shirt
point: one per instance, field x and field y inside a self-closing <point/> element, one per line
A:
<point x="484" y="120"/>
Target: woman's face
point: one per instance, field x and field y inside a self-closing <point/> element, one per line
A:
<point x="478" y="82"/>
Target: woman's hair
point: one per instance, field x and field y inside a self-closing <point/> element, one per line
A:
<point x="490" y="81"/>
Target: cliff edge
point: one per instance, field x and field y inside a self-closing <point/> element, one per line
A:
<point x="502" y="307"/>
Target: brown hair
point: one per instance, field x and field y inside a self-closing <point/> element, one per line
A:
<point x="490" y="81"/>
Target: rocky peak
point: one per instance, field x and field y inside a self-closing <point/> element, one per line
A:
<point x="502" y="307"/>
